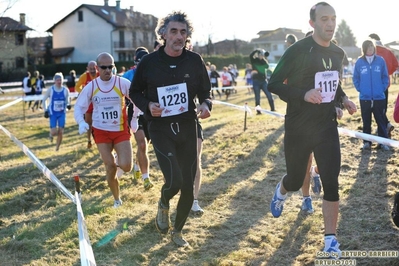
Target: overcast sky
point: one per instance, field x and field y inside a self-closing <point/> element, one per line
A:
<point x="228" y="19"/>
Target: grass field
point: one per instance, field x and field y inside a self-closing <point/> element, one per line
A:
<point x="38" y="224"/>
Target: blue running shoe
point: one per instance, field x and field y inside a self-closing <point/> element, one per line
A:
<point x="315" y="181"/>
<point x="333" y="248"/>
<point x="277" y="204"/>
<point x="307" y="205"/>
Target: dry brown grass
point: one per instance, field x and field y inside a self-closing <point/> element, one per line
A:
<point x="38" y="224"/>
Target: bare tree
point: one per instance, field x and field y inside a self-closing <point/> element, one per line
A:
<point x="8" y="5"/>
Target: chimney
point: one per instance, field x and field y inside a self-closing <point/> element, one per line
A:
<point x="113" y="16"/>
<point x="130" y="13"/>
<point x="22" y="18"/>
<point x="105" y="2"/>
<point x="118" y="5"/>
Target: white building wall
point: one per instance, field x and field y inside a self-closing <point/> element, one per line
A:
<point x="88" y="39"/>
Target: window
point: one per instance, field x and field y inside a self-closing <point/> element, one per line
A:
<point x="134" y="44"/>
<point x="19" y="39"/>
<point x="80" y="16"/>
<point x="121" y="39"/>
<point x="130" y="57"/>
<point x="19" y="62"/>
<point x="122" y="56"/>
<point x="145" y="37"/>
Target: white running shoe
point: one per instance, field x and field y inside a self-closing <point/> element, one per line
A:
<point x="117" y="203"/>
<point x="196" y="209"/>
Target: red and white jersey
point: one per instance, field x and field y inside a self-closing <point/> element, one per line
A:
<point x="108" y="98"/>
<point x="226" y="79"/>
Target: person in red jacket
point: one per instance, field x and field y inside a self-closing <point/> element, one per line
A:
<point x="392" y="65"/>
<point x="396" y="110"/>
<point x="90" y="74"/>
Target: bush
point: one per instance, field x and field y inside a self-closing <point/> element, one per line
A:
<point x="50" y="69"/>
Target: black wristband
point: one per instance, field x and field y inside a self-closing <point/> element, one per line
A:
<point x="209" y="104"/>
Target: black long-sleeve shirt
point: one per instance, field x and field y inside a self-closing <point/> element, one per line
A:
<point x="158" y="70"/>
<point x="298" y="67"/>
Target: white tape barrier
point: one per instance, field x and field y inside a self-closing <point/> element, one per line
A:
<point x="341" y="131"/>
<point x="32" y="98"/>
<point x="10" y="104"/>
<point x="8" y="84"/>
<point x="86" y="251"/>
<point x="74" y="94"/>
<point x="9" y="98"/>
<point x="368" y="137"/>
<point x="38" y="97"/>
<point x="232" y="87"/>
<point x="248" y="109"/>
<point x="40" y="165"/>
<point x="242" y="108"/>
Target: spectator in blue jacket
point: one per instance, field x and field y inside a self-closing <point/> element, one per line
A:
<point x="371" y="79"/>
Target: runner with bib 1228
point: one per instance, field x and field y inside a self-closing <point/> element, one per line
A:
<point x="174" y="98"/>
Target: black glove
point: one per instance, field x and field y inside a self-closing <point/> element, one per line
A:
<point x="266" y="53"/>
<point x="46" y="115"/>
<point x="69" y="107"/>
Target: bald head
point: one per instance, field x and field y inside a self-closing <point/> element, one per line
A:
<point x="91" y="63"/>
<point x="105" y="65"/>
<point x="91" y="68"/>
<point x="104" y="57"/>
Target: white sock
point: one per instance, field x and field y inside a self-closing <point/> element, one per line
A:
<point x="116" y="158"/>
<point x="279" y="195"/>
<point x="136" y="167"/>
<point x="313" y="171"/>
<point x="144" y="176"/>
<point x="328" y="240"/>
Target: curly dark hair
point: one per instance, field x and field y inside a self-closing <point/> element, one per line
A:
<point x="176" y="16"/>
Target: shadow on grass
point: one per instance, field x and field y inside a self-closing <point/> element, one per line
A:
<point x="227" y="231"/>
<point x="31" y="193"/>
<point x="211" y="191"/>
<point x="371" y="222"/>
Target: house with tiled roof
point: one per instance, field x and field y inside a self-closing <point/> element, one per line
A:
<point x="274" y="41"/>
<point x="13" y="44"/>
<point x="394" y="46"/>
<point x="91" y="29"/>
<point x="39" y="50"/>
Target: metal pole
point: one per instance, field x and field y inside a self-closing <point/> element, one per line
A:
<point x="245" y="116"/>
